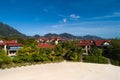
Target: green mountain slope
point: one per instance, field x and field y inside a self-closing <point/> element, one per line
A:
<point x="70" y="36"/>
<point x="8" y="31"/>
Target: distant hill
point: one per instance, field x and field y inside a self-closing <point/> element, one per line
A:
<point x="36" y="36"/>
<point x="70" y="36"/>
<point x="91" y="37"/>
<point x="8" y="31"/>
<point x="67" y="35"/>
<point x="50" y="35"/>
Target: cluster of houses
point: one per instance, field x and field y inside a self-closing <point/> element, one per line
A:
<point x="12" y="46"/>
<point x="46" y="42"/>
<point x="85" y="44"/>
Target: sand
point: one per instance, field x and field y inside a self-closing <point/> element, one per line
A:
<point x="63" y="71"/>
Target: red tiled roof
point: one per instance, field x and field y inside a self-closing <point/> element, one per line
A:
<point x="10" y="41"/>
<point x="15" y="44"/>
<point x="84" y="43"/>
<point x="96" y="42"/>
<point x="46" y="45"/>
<point x="1" y="44"/>
<point x="100" y="42"/>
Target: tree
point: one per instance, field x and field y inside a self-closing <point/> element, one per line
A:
<point x="95" y="56"/>
<point x="4" y="58"/>
<point x="25" y="53"/>
<point x="114" y="52"/>
<point x="94" y="51"/>
<point x="73" y="52"/>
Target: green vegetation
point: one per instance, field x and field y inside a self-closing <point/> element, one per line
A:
<point x="95" y="56"/>
<point x="114" y="52"/>
<point x="72" y="52"/>
<point x="7" y="31"/>
<point x="4" y="59"/>
<point x="96" y="59"/>
<point x="30" y="53"/>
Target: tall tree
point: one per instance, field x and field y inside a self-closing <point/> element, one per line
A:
<point x="114" y="51"/>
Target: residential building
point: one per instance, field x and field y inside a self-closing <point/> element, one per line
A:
<point x="10" y="46"/>
<point x="86" y="44"/>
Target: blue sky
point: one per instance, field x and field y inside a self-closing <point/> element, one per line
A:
<point x="78" y="17"/>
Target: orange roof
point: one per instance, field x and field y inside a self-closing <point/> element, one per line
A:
<point x="100" y="42"/>
<point x="10" y="41"/>
<point x="1" y="44"/>
<point x="15" y="44"/>
<point x="84" y="43"/>
<point x="46" y="45"/>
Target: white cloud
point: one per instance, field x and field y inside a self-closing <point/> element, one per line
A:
<point x="68" y="18"/>
<point x="64" y="20"/>
<point x="73" y="16"/>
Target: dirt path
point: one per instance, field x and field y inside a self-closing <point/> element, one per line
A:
<point x="63" y="71"/>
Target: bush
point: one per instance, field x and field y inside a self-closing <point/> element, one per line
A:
<point x="115" y="62"/>
<point x="95" y="59"/>
<point x="4" y="59"/>
<point x="72" y="56"/>
<point x="114" y="52"/>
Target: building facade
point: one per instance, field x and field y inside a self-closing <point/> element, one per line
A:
<point x="10" y="46"/>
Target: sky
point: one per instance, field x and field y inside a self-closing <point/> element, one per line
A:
<point x="78" y="17"/>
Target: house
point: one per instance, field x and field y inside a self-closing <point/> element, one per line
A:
<point x="101" y="43"/>
<point x="55" y="39"/>
<point x="86" y="44"/>
<point x="42" y="40"/>
<point x="10" y="46"/>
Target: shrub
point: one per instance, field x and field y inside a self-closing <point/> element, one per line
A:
<point x="115" y="62"/>
<point x="114" y="52"/>
<point x="4" y="59"/>
<point x="95" y="59"/>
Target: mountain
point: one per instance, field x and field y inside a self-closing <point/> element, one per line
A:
<point x="50" y="35"/>
<point x="91" y="37"/>
<point x="36" y="36"/>
<point x="67" y="35"/>
<point x="8" y="31"/>
<point x="70" y="36"/>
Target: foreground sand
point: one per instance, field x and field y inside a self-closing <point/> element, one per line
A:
<point x="63" y="71"/>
